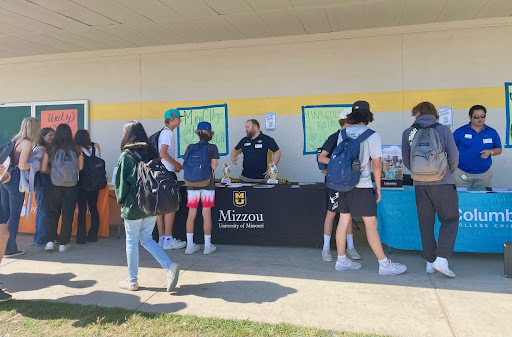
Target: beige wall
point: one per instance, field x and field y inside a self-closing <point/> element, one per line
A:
<point x="389" y="60"/>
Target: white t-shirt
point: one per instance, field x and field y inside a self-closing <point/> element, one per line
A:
<point x="167" y="138"/>
<point x="370" y="148"/>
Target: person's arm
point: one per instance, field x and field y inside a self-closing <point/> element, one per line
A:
<point x="26" y="152"/>
<point x="234" y="155"/>
<point x="125" y="168"/>
<point x="214" y="163"/>
<point x="6" y="176"/>
<point x="323" y="158"/>
<point x="452" y="151"/>
<point x="45" y="163"/>
<point x="167" y="157"/>
<point x="276" y="157"/>
<point x="81" y="162"/>
<point x="214" y="155"/>
<point x="98" y="150"/>
<point x="377" y="174"/>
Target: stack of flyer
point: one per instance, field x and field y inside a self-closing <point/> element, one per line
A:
<point x="392" y="167"/>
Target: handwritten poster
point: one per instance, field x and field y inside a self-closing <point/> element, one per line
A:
<point x="53" y="118"/>
<point x="319" y="122"/>
<point x="216" y="115"/>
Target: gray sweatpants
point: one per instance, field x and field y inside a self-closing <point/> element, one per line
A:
<point x="443" y="200"/>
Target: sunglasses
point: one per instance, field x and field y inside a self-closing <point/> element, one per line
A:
<point x="478" y="117"/>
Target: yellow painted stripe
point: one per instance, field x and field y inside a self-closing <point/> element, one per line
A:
<point x="464" y="98"/>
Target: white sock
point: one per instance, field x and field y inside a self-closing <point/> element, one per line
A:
<point x="327" y="242"/>
<point x="161" y="240"/>
<point x="350" y="241"/>
<point x="190" y="240"/>
<point x="384" y="262"/>
<point x="168" y="240"/>
<point x="342" y="258"/>
<point x="207" y="241"/>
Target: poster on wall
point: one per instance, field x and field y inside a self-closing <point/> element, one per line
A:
<point x="318" y="123"/>
<point x="216" y="115"/>
<point x="508" y="98"/>
<point x="73" y="113"/>
<point x="392" y="166"/>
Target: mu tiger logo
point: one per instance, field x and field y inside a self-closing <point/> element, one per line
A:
<point x="239" y="198"/>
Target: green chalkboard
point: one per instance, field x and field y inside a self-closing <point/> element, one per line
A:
<point x="319" y="122"/>
<point x="10" y="120"/>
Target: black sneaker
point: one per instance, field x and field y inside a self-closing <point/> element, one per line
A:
<point x="4" y="297"/>
<point x="15" y="253"/>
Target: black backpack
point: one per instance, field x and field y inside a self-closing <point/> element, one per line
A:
<point x="7" y="150"/>
<point x="93" y="176"/>
<point x="157" y="190"/>
<point x="153" y="139"/>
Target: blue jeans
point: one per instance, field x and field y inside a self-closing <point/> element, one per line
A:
<point x="12" y="203"/>
<point x="40" y="187"/>
<point x="141" y="230"/>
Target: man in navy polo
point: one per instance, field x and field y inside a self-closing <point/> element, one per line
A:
<point x="477" y="142"/>
<point x="258" y="150"/>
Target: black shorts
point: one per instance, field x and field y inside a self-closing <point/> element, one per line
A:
<point x="356" y="202"/>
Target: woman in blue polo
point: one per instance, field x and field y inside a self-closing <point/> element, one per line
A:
<point x="476" y="142"/>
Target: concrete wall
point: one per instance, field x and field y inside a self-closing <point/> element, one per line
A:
<point x="454" y="64"/>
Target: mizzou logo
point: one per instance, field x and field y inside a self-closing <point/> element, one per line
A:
<point x="239" y="198"/>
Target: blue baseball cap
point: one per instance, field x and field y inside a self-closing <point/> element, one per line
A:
<point x="204" y="126"/>
<point x="172" y="113"/>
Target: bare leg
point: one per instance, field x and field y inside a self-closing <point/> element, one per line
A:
<point x="207" y="221"/>
<point x="328" y="222"/>
<point x="373" y="236"/>
<point x="341" y="233"/>
<point x="169" y="223"/>
<point x="4" y="236"/>
<point x="192" y="212"/>
<point x="160" y="225"/>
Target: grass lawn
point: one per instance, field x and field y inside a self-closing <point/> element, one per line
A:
<point x="43" y="318"/>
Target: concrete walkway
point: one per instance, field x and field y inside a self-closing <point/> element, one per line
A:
<point x="278" y="284"/>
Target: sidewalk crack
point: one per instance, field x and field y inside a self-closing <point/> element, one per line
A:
<point x="445" y="311"/>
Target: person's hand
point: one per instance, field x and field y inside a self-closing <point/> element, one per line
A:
<point x="378" y="195"/>
<point x="2" y="169"/>
<point x="234" y="159"/>
<point x="178" y="167"/>
<point x="485" y="154"/>
<point x="267" y="174"/>
<point x="6" y="177"/>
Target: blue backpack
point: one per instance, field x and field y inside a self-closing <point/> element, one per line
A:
<point x="196" y="166"/>
<point x="344" y="168"/>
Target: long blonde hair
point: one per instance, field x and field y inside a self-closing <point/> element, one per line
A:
<point x="29" y="129"/>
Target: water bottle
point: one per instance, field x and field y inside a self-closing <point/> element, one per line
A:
<point x="356" y="165"/>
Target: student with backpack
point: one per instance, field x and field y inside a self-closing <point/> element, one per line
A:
<point x="200" y="161"/>
<point x="351" y="191"/>
<point x="136" y="150"/>
<point x="63" y="160"/>
<point x="42" y="183"/>
<point x="19" y="150"/>
<point x="328" y="147"/>
<point x="167" y="151"/>
<point x="430" y="153"/>
<point x="92" y="180"/>
<point x="4" y="231"/>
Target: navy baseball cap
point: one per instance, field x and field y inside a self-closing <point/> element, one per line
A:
<point x="204" y="126"/>
<point x="361" y="105"/>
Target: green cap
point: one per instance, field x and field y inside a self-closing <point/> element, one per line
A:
<point x="172" y="113"/>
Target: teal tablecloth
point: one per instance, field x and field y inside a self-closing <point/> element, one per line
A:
<point x="485" y="221"/>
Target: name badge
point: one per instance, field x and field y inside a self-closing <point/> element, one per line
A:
<point x="247" y="144"/>
<point x="258" y="146"/>
<point x="468" y="136"/>
<point x="487" y="140"/>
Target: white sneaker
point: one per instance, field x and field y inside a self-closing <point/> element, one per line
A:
<point x="193" y="249"/>
<point x="209" y="250"/>
<point x="441" y="265"/>
<point x="125" y="284"/>
<point x="327" y="255"/>
<point x="354" y="255"/>
<point x="50" y="245"/>
<point x="176" y="244"/>
<point x="347" y="264"/>
<point x="172" y="276"/>
<point x="392" y="268"/>
<point x="429" y="268"/>
<point x="63" y="248"/>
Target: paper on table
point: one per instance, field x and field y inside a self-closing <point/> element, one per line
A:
<point x="234" y="185"/>
<point x="6" y="164"/>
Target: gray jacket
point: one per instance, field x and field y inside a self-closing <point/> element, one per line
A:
<point x="448" y="144"/>
<point x="27" y="178"/>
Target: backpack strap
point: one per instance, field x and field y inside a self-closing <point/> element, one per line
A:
<point x="343" y="134"/>
<point x="364" y="136"/>
<point x="93" y="150"/>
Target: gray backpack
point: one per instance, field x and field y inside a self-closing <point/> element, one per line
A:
<point x="428" y="159"/>
<point x="64" y="168"/>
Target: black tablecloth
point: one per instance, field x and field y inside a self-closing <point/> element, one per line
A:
<point x="281" y="215"/>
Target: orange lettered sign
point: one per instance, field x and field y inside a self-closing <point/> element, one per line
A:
<point x="53" y="118"/>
